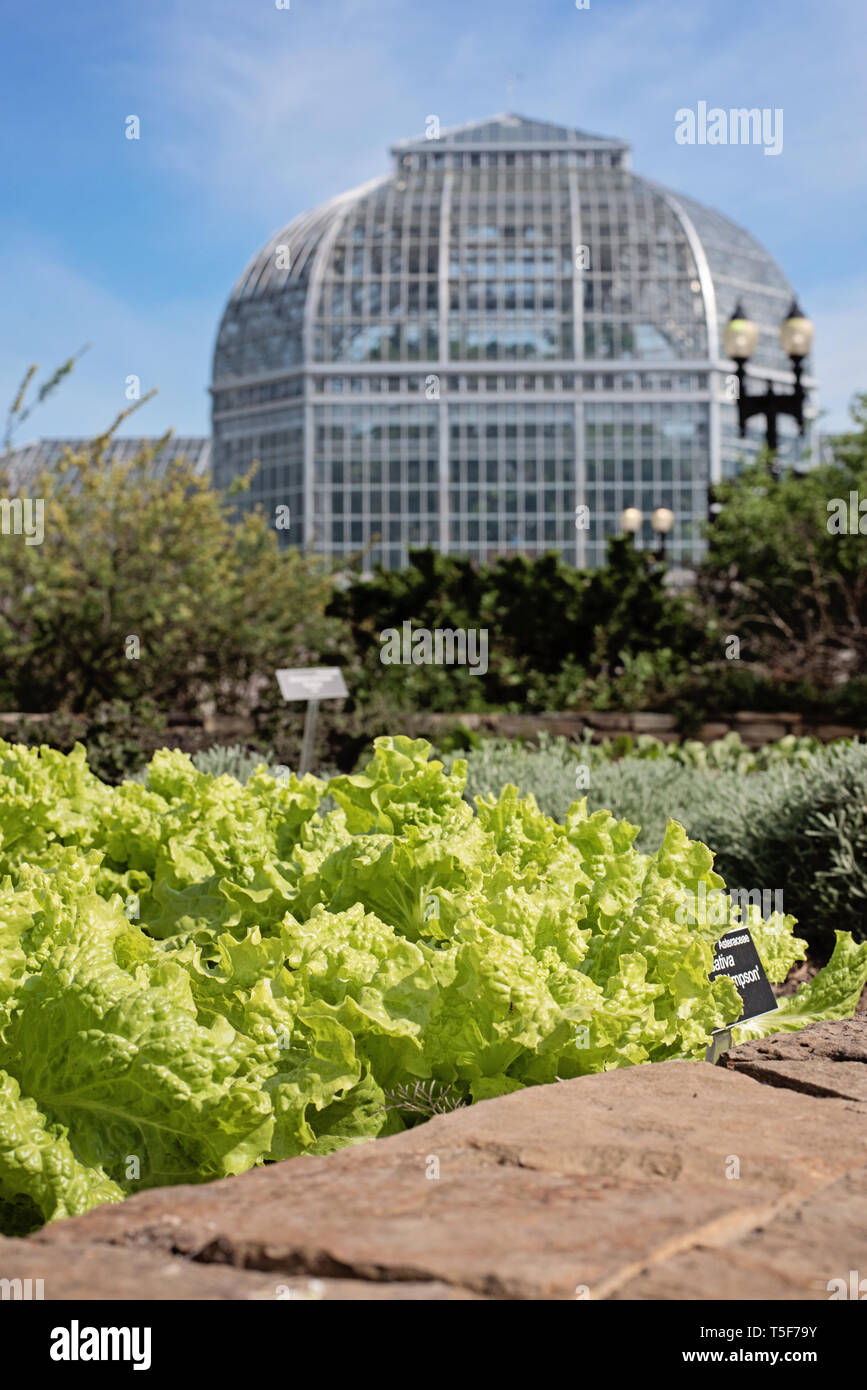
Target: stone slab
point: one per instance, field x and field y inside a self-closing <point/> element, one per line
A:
<point x="797" y="1256"/>
<point x="94" y="1272"/>
<point x="825" y="1059"/>
<point x="580" y="1185"/>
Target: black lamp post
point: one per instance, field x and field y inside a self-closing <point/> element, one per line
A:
<point x="796" y="337"/>
<point x="662" y="521"/>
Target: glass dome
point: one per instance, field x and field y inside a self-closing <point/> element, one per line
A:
<point x="508" y="327"/>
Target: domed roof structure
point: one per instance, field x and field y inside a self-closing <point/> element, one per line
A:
<point x="462" y="352"/>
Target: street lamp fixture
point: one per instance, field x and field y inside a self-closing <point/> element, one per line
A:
<point x="796" y="337"/>
<point x="662" y="520"/>
<point x="741" y="336"/>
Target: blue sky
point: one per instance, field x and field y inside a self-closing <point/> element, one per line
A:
<point x="250" y="114"/>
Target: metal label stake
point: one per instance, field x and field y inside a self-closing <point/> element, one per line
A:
<point x="311" y="683"/>
<point x="307" y="740"/>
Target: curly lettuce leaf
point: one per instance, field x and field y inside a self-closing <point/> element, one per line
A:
<point x="41" y="1177"/>
<point x="832" y="993"/>
<point x="104" y="1038"/>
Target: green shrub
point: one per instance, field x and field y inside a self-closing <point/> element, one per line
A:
<point x="547" y="771"/>
<point x="233" y="760"/>
<point x="558" y="637"/>
<point x="60" y="730"/>
<point x="149" y="585"/>
<point x="802" y="829"/>
<point x="119" y="737"/>
<point x="783" y="577"/>
<point x="649" y="794"/>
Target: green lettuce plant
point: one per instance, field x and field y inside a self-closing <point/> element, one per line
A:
<point x="199" y="975"/>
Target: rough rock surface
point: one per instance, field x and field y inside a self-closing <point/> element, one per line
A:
<point x="826" y="1059"/>
<point x="91" y="1270"/>
<point x="793" y="1257"/>
<point x="677" y="1181"/>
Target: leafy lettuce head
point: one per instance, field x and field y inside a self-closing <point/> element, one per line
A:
<point x="197" y="976"/>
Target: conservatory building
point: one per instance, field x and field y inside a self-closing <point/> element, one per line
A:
<point x="493" y="349"/>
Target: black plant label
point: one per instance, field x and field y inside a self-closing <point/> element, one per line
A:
<point x="735" y="955"/>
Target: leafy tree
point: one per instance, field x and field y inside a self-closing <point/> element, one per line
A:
<point x="21" y="409"/>
<point x="147" y="585"/>
<point x="782" y="578"/>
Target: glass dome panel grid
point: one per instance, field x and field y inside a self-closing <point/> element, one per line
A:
<point x="374" y="258"/>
